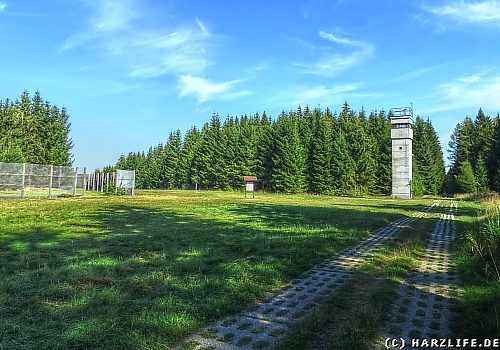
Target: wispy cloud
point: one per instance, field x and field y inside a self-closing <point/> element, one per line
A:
<point x="3" y="6"/>
<point x="416" y="73"/>
<point x="202" y="27"/>
<point x="179" y="52"/>
<point x="114" y="30"/>
<point x="312" y="95"/>
<point x="204" y="89"/>
<point x="344" y="41"/>
<point x="333" y="64"/>
<point x="486" y="11"/>
<point x="323" y="95"/>
<point x="471" y="91"/>
<point x="261" y="66"/>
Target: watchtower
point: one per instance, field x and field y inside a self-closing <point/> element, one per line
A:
<point x="402" y="151"/>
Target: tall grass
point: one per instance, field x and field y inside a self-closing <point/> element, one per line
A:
<point x="484" y="242"/>
<point x="479" y="261"/>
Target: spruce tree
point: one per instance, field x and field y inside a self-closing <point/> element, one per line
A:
<point x="246" y="150"/>
<point x="153" y="168"/>
<point x="343" y="166"/>
<point x="379" y="129"/>
<point x="460" y="148"/>
<point x="170" y="162"/>
<point x="265" y="150"/>
<point x="466" y="182"/>
<point x="428" y="158"/>
<point x="481" y="175"/>
<point x="289" y="158"/>
<point x="120" y="164"/>
<point x="209" y="160"/>
<point x="482" y="136"/>
<point x="190" y="147"/>
<point x="494" y="158"/>
<point x="34" y="131"/>
<point x="230" y="175"/>
<point x="321" y="156"/>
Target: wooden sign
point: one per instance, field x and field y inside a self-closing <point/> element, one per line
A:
<point x="249" y="185"/>
<point x="250" y="178"/>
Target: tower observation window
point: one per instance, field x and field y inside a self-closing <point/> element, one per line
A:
<point x="401" y="126"/>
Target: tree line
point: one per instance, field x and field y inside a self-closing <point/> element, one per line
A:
<point x="32" y="130"/>
<point x="313" y="151"/>
<point x="475" y="155"/>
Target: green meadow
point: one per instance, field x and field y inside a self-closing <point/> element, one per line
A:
<point x="143" y="272"/>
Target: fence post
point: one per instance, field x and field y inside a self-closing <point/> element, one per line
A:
<point x="50" y="180"/>
<point x="84" y="180"/>
<point x="133" y="184"/>
<point x="116" y="181"/>
<point x="59" y="177"/>
<point x="107" y="181"/>
<point x="23" y="179"/>
<point x="76" y="180"/>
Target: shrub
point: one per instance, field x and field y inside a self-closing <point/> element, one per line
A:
<point x="111" y="190"/>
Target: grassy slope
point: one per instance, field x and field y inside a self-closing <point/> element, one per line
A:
<point x="142" y="272"/>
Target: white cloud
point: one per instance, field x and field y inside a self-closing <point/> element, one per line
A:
<point x="3" y="6"/>
<point x="344" y="41"/>
<point x="333" y="64"/>
<point x="473" y="91"/>
<point x="469" y="79"/>
<point x="312" y="96"/>
<point x="470" y="11"/>
<point x="180" y="52"/>
<point x="204" y="89"/>
<point x="415" y="74"/>
<point x="202" y="27"/>
<point x="321" y="93"/>
<point x="113" y="16"/>
<point x="114" y="30"/>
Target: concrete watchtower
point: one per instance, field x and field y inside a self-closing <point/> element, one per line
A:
<point x="402" y="151"/>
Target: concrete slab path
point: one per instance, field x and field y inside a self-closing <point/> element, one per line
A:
<point x="422" y="307"/>
<point x="263" y="326"/>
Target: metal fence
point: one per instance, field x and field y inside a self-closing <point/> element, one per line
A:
<point x="104" y="182"/>
<point x="24" y="180"/>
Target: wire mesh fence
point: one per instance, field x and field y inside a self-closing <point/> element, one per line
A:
<point x="25" y="180"/>
<point x="112" y="181"/>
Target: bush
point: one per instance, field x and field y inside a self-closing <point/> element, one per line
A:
<point x="111" y="190"/>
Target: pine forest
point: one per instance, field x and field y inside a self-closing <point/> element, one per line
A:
<point x="34" y="131"/>
<point x="306" y="150"/>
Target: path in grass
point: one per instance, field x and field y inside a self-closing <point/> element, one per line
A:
<point x="422" y="307"/>
<point x="263" y="326"/>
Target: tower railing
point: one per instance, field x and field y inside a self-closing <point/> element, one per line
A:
<point x="402" y="112"/>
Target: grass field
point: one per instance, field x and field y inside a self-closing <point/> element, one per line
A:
<point x="142" y="272"/>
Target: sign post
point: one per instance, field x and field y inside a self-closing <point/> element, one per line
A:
<point x="249" y="185"/>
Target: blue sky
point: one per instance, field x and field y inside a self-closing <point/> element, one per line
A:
<point x="130" y="71"/>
